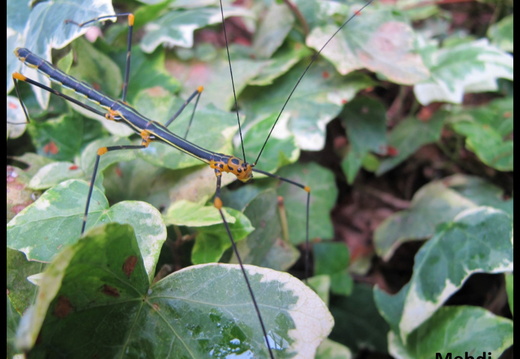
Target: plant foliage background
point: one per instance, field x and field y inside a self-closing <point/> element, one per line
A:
<point x="403" y="129"/>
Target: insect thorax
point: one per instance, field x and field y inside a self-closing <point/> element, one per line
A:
<point x="241" y="169"/>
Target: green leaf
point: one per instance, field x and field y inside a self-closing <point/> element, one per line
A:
<point x="330" y="349"/>
<point x="12" y="319"/>
<point x="321" y="285"/>
<point x="478" y="240"/>
<point x="436" y="203"/>
<point x="212" y="239"/>
<point x="488" y="131"/>
<point x="501" y="33"/>
<point x="20" y="291"/>
<point x="184" y="213"/>
<point x="509" y="289"/>
<point x="280" y="150"/>
<point x="58" y="138"/>
<point x="214" y="76"/>
<point x="16" y="121"/>
<point x="45" y="30"/>
<point x="459" y="331"/>
<point x="54" y="173"/>
<point x="319" y="99"/>
<point x="409" y="135"/>
<point x="464" y="68"/>
<point x="333" y="259"/>
<point x="278" y="21"/>
<point x="358" y="323"/>
<point x="282" y="61"/>
<point x="266" y="245"/>
<point x="175" y="28"/>
<point x="33" y="162"/>
<point x="19" y="195"/>
<point x="132" y="180"/>
<point x="55" y="219"/>
<point x="214" y="136"/>
<point x="323" y="198"/>
<point x="382" y="43"/>
<point x="146" y="72"/>
<point x="365" y="121"/>
<point x="204" y="309"/>
<point x="99" y="71"/>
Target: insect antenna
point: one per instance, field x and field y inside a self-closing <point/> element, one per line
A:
<point x="311" y="62"/>
<point x="233" y="84"/>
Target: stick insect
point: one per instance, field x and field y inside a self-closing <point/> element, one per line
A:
<point x="149" y="131"/>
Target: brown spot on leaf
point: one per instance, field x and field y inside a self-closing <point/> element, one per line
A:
<point x="110" y="291"/>
<point x="129" y="265"/>
<point x="63" y="307"/>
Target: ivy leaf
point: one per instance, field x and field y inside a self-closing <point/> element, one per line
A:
<point x="489" y="131"/>
<point x="464" y="68"/>
<point x="318" y="100"/>
<point x="45" y="30"/>
<point x="176" y="28"/>
<point x="501" y="33"/>
<point x="409" y="135"/>
<point x="436" y="203"/>
<point x="323" y="197"/>
<point x="478" y="240"/>
<point x="266" y="246"/>
<point x="42" y="229"/>
<point x="365" y="122"/>
<point x="99" y="286"/>
<point x="382" y="43"/>
<point x="459" y="330"/>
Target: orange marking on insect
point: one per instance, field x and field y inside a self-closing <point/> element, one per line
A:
<point x="147" y="137"/>
<point x="102" y="151"/>
<point x="242" y="170"/>
<point x="19" y="76"/>
<point x="217" y="202"/>
<point x="111" y="115"/>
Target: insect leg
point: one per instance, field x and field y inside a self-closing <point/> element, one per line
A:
<point x="218" y="204"/>
<point x="19" y="77"/>
<point x="307" y="212"/>
<point x="131" y="19"/>
<point x="197" y="94"/>
<point x="101" y="151"/>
